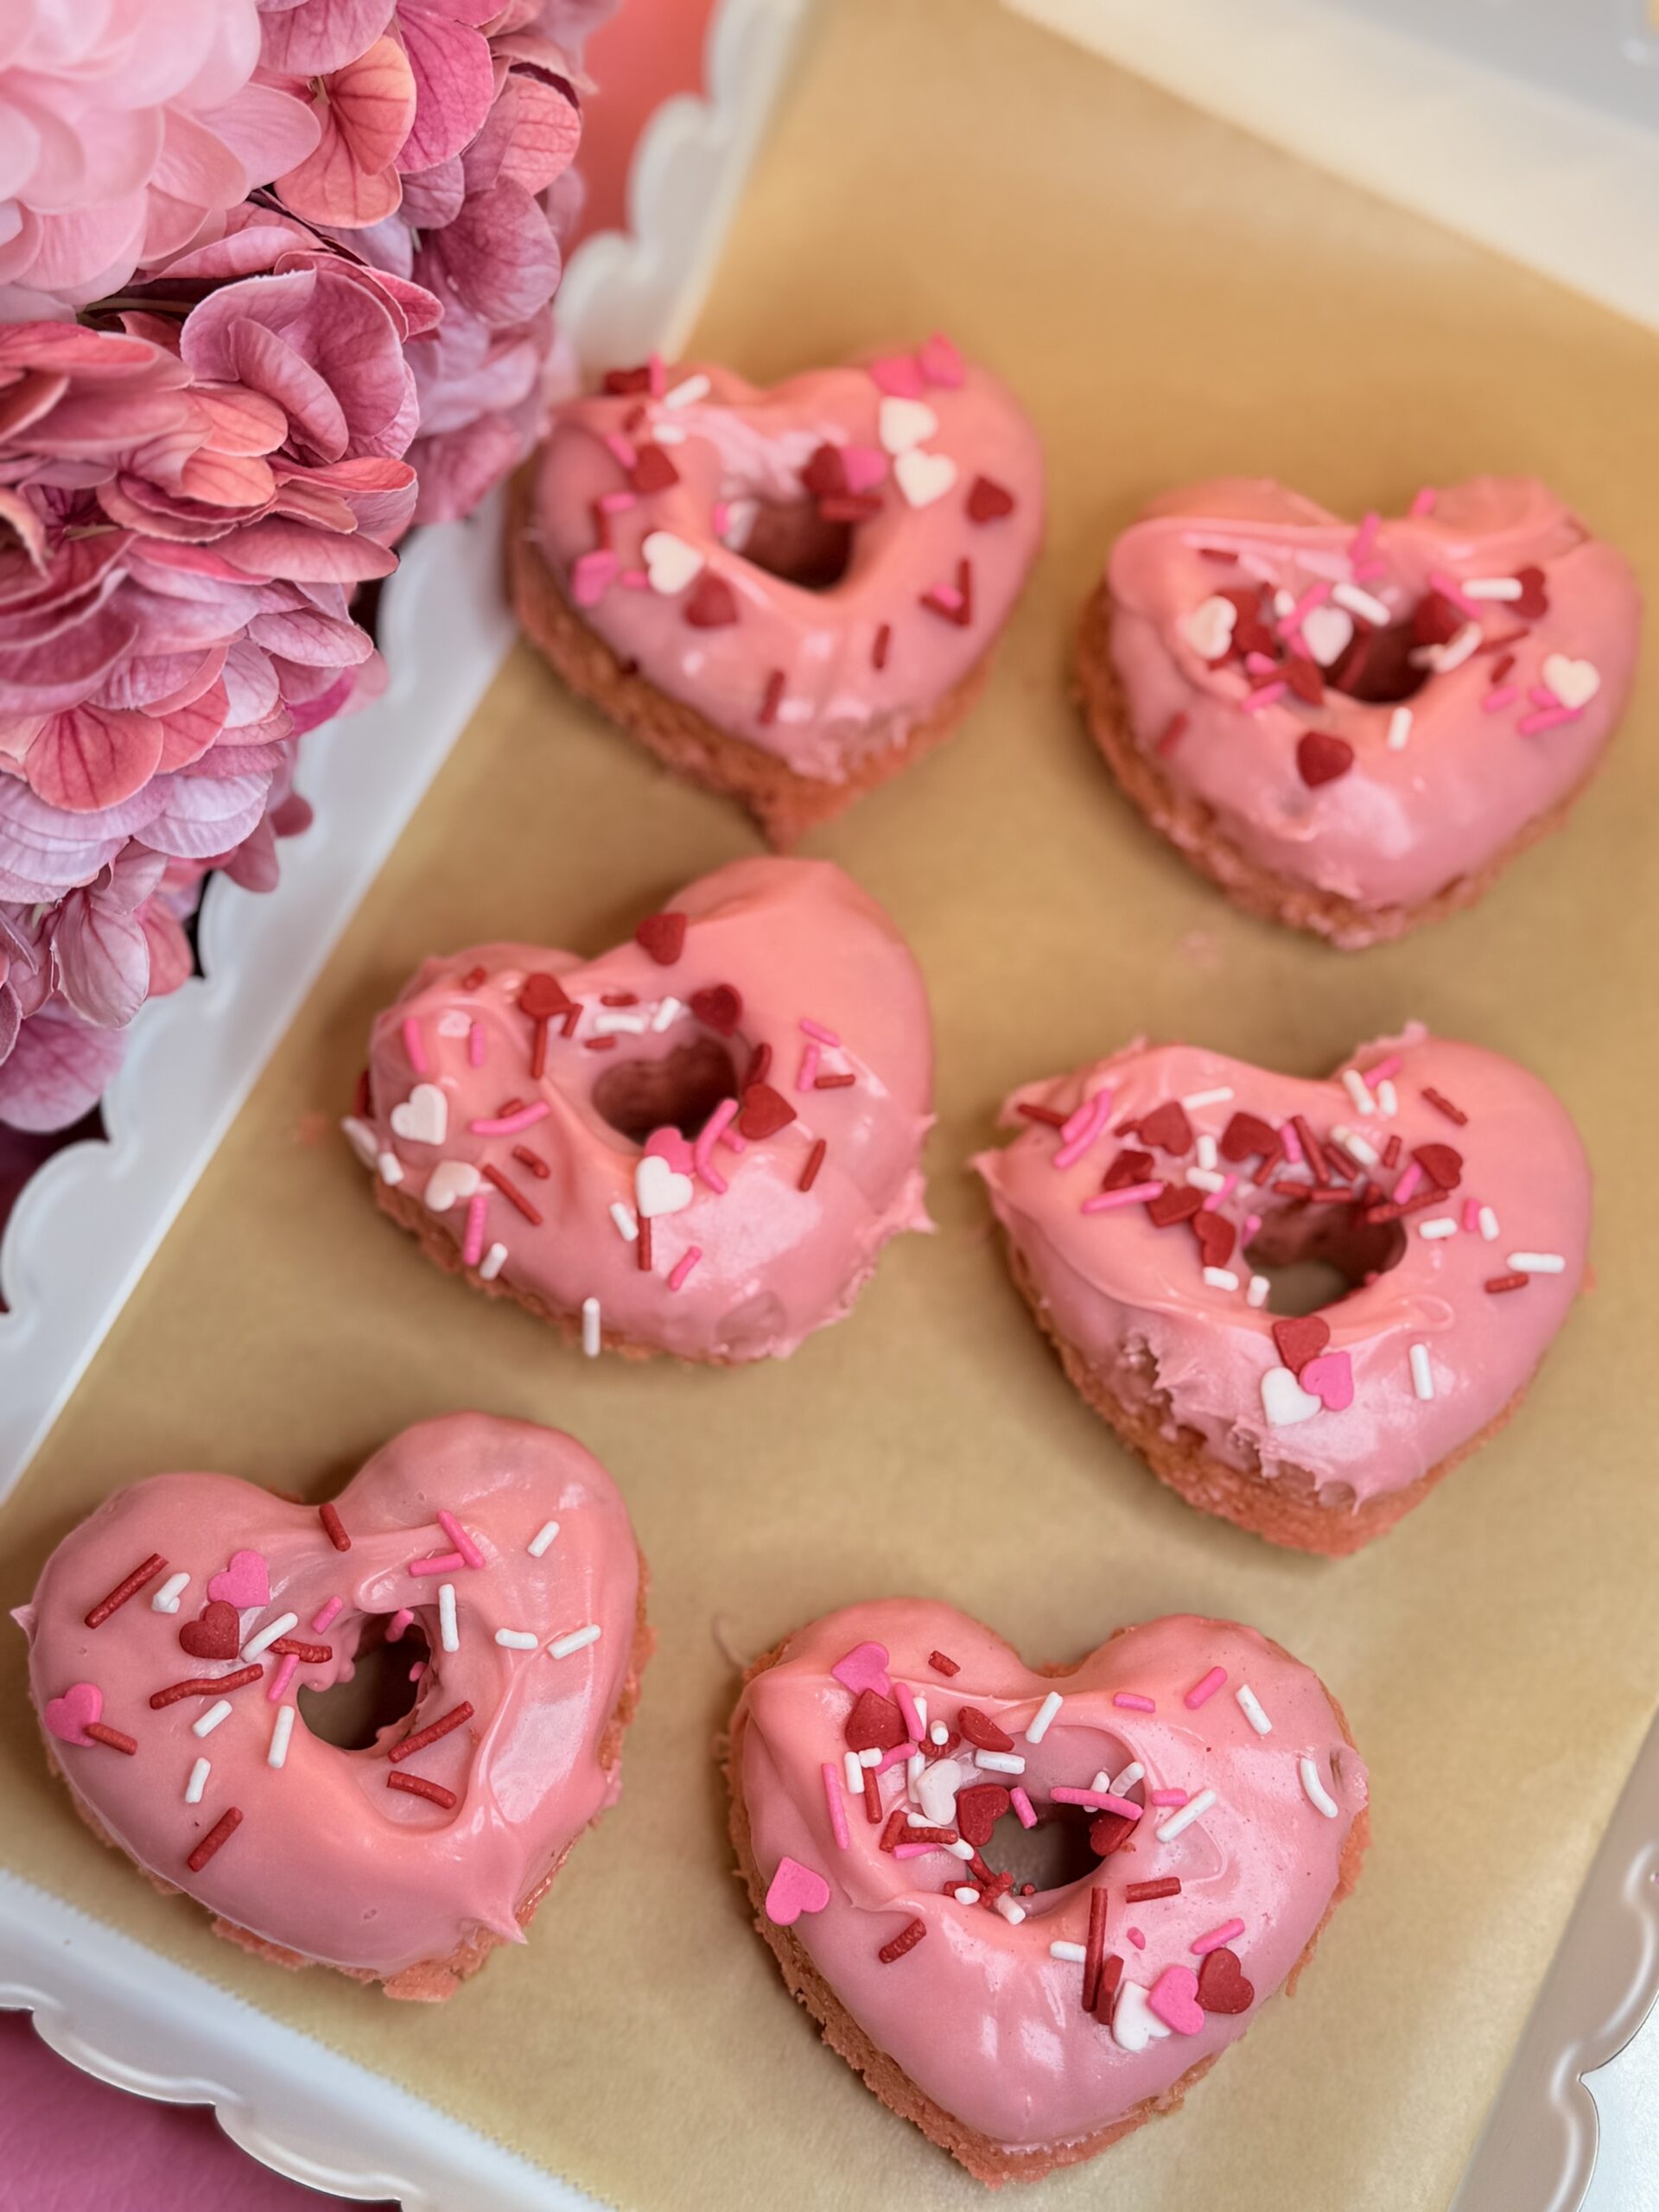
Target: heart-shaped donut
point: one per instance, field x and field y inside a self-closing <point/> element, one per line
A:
<point x="503" y="1546"/>
<point x="1438" y="1193"/>
<point x="1354" y="729"/>
<point x="1195" y="1795"/>
<point x="697" y="1143"/>
<point x="787" y="594"/>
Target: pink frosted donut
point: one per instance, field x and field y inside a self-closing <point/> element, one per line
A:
<point x="170" y="1634"/>
<point x="697" y="1143"/>
<point x="1188" y="1794"/>
<point x="785" y="594"/>
<point x="1153" y="1200"/>
<point x="1354" y="729"/>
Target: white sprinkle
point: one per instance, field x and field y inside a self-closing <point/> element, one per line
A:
<point x="495" y="1259"/>
<point x="1257" y="1293"/>
<point x="918" y="1820"/>
<point x="448" y="1634"/>
<point x="965" y="1894"/>
<point x="543" y="1537"/>
<point x="1284" y="602"/>
<point x="1362" y="603"/>
<point x="1359" y="1090"/>
<point x="1207" y="1153"/>
<point x="1221" y="1279"/>
<point x="1014" y="1914"/>
<point x="1350" y="1140"/>
<point x="591" y="1339"/>
<point x="576" y="1641"/>
<point x="872" y="1757"/>
<point x="626" y="1224"/>
<point x="921" y="1704"/>
<point x="1488" y="1223"/>
<point x="620" y="1025"/>
<point x="1121" y="1784"/>
<point x="1074" y="1954"/>
<point x="668" y="1013"/>
<point x="957" y="1850"/>
<point x="1043" y="1719"/>
<point x="219" y="1710"/>
<point x="1444" y="658"/>
<point x="1490" y="586"/>
<point x="1217" y="1097"/>
<point x="281" y="1729"/>
<point x="1422" y="1374"/>
<point x="1399" y="729"/>
<point x="1000" y="1762"/>
<point x="1388" y="1099"/>
<point x="1317" y="1794"/>
<point x="516" y="1639"/>
<point x="1194" y="1809"/>
<point x="1537" y="1263"/>
<point x="1443" y="1224"/>
<point x="1206" y="1179"/>
<point x="390" y="1169"/>
<point x="166" y="1599"/>
<point x="854" y="1773"/>
<point x="268" y="1635"/>
<point x="913" y="1769"/>
<point x="668" y="434"/>
<point x="938" y="1732"/>
<point x="1250" y="1705"/>
<point x="198" y="1781"/>
<point x="362" y="1138"/>
<point x="687" y="393"/>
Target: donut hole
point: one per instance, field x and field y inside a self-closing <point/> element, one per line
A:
<point x="350" y="1714"/>
<point x="792" y="541"/>
<point x="677" y="1090"/>
<point x="1315" y="1256"/>
<point x="1377" y="668"/>
<point x="1053" y="1855"/>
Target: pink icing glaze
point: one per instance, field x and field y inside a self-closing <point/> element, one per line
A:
<point x="1401" y="824"/>
<point x="978" y="2014"/>
<point x="739" y="446"/>
<point x="328" y="1860"/>
<point x="1133" y="1297"/>
<point x="796" y="939"/>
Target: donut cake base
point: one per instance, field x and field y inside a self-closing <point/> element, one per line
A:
<point x="1191" y="826"/>
<point x="785" y="805"/>
<point x="429" y="1980"/>
<point x="988" y="2161"/>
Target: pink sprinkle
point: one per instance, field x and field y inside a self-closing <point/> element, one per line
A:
<point x="733" y="1142"/>
<point x="655" y="375"/>
<point x="1254" y="702"/>
<point x="277" y="1690"/>
<point x="1132" y="1702"/>
<point x="478" y="1205"/>
<point x="1202" y="1692"/>
<point x="832" y="1795"/>
<point x="414" y="1045"/>
<point x="1424" y="503"/>
<point x="1291" y="1145"/>
<point x="947" y="598"/>
<point x="1136" y="1938"/>
<point x="508" y="1125"/>
<point x="683" y="1265"/>
<point x="417" y="1670"/>
<point x="325" y="1614"/>
<point x="1097" y="1800"/>
<point x="1530" y="725"/>
<point x="1471" y="1213"/>
<point x="817" y="1029"/>
<point x="1506" y="694"/>
<point x="896" y="1757"/>
<point x="635" y="580"/>
<point x="1083" y="1127"/>
<point x="1217" y="1937"/>
<point x="1383" y="1068"/>
<point x="1367" y="572"/>
<point x="721" y="517"/>
<point x="1132" y="1194"/>
<point x="1166" y="1797"/>
<point x="621" y="450"/>
<point x="1365" y="536"/>
<point x="1252" y="1223"/>
<point x="1542" y="695"/>
<point x="459" y="1537"/>
<point x="477" y="1045"/>
<point x="1449" y="588"/>
<point x="915" y="1850"/>
<point x="592" y="575"/>
<point x="807" y="1074"/>
<point x="1259" y="664"/>
<point x="1216" y="1197"/>
<point x="906" y="1704"/>
<point x="399" y="1621"/>
<point x="1022" y="1807"/>
<point x="939" y="361"/>
<point x="1407" y="1186"/>
<point x="440" y="1563"/>
<point x="1315" y="596"/>
<point x="618" y="503"/>
<point x="702" y="1151"/>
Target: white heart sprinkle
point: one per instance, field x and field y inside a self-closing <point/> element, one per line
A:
<point x="660" y="1189"/>
<point x="924" y="477"/>
<point x="453" y="1024"/>
<point x="1327" y="632"/>
<point x="1284" y="1400"/>
<point x="671" y="563"/>
<point x="1209" y="628"/>
<point x="450" y="1181"/>
<point x="901" y="423"/>
<point x="935" y="1790"/>
<point x="1574" y="683"/>
<point x="362" y="1140"/>
<point x="423" y="1117"/>
<point x="1135" y="2025"/>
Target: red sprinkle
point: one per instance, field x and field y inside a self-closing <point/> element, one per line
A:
<point x="1508" y="1282"/>
<point x="642" y="1244"/>
<point x="1443" y="1105"/>
<point x="220" y="1832"/>
<point x="1391" y="1150"/>
<point x="599" y="1044"/>
<point x="1169" y="1886"/>
<point x="941" y="1665"/>
<point x="897" y="1819"/>
<point x="1111" y="1973"/>
<point x="879" y="650"/>
<point x="773" y="697"/>
<point x="810" y="1176"/>
<point x="1047" y="1114"/>
<point x="533" y="1160"/>
<point x="906" y="1939"/>
<point x="834" y="1081"/>
<point x="431" y="1733"/>
<point x="619" y="998"/>
<point x="511" y="1191"/>
<point x="1312" y="1151"/>
<point x="475" y="978"/>
<point x="873" y="1804"/>
<point x="416" y="1785"/>
<point x="205" y="1686"/>
<point x="129" y="1587"/>
<point x="760" y="1063"/>
<point x="1096" y="1947"/>
<point x="117" y="1740"/>
<point x="1175" y="730"/>
<point x="308" y="1655"/>
<point x="333" y="1528"/>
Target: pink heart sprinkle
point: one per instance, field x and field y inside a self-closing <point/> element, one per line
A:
<point x="1174" y="1997"/>
<point x="939" y="361"/>
<point x="669" y="1145"/>
<point x="591" y="576"/>
<point x="245" y="1581"/>
<point x="865" y="1668"/>
<point x="899" y="374"/>
<point x="1331" y="1379"/>
<point x="864" y="467"/>
<point x="70" y="1716"/>
<point x="796" y="1889"/>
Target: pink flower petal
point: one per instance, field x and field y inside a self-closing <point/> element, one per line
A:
<point x="100" y="959"/>
<point x="369" y="106"/>
<point x="90" y="757"/>
<point x="57" y="1070"/>
<point x="455" y="82"/>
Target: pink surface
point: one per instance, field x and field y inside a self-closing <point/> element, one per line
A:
<point x="120" y="2144"/>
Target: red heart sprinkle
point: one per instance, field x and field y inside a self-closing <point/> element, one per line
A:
<point x="1303" y="677"/>
<point x="1300" y="1339"/>
<point x="1167" y="1128"/>
<point x="215" y="1635"/>
<point x="1130" y="1167"/>
<point x="1435" y="620"/>
<point x="764" y="1111"/>
<point x="978" y="1811"/>
<point x="711" y="604"/>
<point x="662" y="937"/>
<point x="982" y="1732"/>
<point x="619" y="381"/>
<point x="544" y="997"/>
<point x="825" y="474"/>
<point x="874" y="1724"/>
<point x="1222" y="1986"/>
<point x="987" y="500"/>
<point x="1321" y="758"/>
<point x="1534" y="602"/>
<point x="1247" y="1136"/>
<point x="1250" y="631"/>
<point x="721" y="1005"/>
<point x="1107" y="1832"/>
<point x="1441" y="1163"/>
<point x="1175" y="1202"/>
<point x="1217" y="1237"/>
<point x="653" y="471"/>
